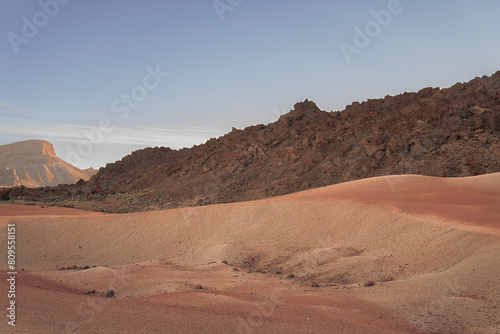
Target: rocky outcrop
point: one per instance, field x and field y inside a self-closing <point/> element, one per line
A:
<point x="33" y="163"/>
<point x="439" y="132"/>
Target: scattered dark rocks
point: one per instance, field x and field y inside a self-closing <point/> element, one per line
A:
<point x="106" y="294"/>
<point x="198" y="287"/>
<point x="75" y="267"/>
<point x="369" y="283"/>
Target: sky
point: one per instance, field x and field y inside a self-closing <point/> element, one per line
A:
<point x="100" y="79"/>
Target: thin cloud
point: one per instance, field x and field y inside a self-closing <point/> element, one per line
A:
<point x="172" y="136"/>
<point x="13" y="109"/>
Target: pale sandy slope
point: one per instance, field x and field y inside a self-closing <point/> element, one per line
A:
<point x="436" y="240"/>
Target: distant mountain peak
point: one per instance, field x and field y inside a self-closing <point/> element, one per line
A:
<point x="37" y="146"/>
<point x="34" y="163"/>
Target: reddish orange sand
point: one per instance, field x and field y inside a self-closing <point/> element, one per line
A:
<point x="431" y="245"/>
<point x="14" y="210"/>
<point x="464" y="200"/>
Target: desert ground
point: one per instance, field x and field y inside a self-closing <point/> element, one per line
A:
<point x="394" y="254"/>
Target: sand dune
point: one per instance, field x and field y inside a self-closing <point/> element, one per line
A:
<point x="431" y="246"/>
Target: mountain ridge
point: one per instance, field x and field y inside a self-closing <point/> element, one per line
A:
<point x="455" y="129"/>
<point x="447" y="132"/>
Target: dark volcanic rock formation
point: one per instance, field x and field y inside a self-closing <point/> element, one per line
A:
<point x="437" y="132"/>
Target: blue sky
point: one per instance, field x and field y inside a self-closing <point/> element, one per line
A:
<point x="229" y="63"/>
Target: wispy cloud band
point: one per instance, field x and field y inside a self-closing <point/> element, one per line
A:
<point x="172" y="136"/>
